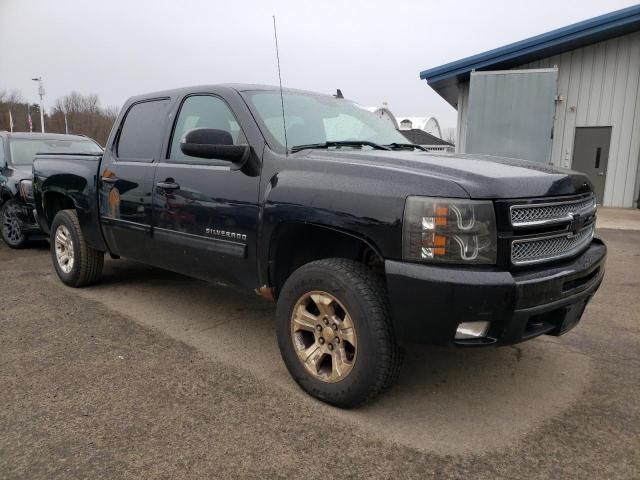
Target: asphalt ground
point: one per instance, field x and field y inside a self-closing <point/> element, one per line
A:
<point x="154" y="375"/>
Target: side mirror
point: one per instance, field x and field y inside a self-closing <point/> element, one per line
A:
<point x="214" y="144"/>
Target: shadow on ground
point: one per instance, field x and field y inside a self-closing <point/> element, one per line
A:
<point x="446" y="400"/>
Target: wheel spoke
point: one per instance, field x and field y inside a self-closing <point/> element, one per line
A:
<point x="324" y="304"/>
<point x="347" y="335"/>
<point x="313" y="357"/>
<point x="304" y="320"/>
<point x="339" y="364"/>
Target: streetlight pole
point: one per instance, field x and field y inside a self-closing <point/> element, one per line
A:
<point x="41" y="93"/>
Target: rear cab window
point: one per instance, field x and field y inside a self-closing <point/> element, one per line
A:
<point x="142" y="131"/>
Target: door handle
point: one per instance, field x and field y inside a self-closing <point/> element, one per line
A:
<point x="601" y="174"/>
<point x="109" y="179"/>
<point x="168" y="185"/>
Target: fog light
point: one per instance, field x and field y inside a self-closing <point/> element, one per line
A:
<point x="469" y="330"/>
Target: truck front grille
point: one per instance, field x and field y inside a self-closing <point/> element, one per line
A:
<point x="545" y="230"/>
<point x="539" y="214"/>
<point x="552" y="247"/>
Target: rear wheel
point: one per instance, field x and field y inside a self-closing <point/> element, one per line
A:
<point x="13" y="215"/>
<point x="334" y="332"/>
<point x="76" y="263"/>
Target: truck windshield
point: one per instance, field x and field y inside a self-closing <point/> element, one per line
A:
<point x="24" y="150"/>
<point x="318" y="119"/>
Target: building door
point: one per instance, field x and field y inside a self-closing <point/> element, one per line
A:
<point x="591" y="155"/>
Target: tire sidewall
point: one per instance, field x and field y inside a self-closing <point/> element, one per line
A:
<point x="3" y="210"/>
<point x="71" y="278"/>
<point x="364" y="372"/>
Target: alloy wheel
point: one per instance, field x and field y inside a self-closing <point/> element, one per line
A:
<point x="64" y="248"/>
<point x="12" y="223"/>
<point x="324" y="336"/>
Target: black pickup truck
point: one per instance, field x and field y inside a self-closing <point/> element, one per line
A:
<point x="366" y="242"/>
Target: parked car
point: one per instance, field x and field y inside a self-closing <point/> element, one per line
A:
<point x="17" y="151"/>
<point x="366" y="242"/>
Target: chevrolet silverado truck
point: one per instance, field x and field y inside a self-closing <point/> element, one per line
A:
<point x="365" y="242"/>
<point x="17" y="151"/>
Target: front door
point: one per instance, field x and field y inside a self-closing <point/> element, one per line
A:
<point x="591" y="155"/>
<point x="127" y="179"/>
<point x="205" y="213"/>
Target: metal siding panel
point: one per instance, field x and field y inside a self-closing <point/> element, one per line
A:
<point x="511" y="114"/>
<point x="597" y="82"/>
<point x="571" y="99"/>
<point x="630" y="135"/>
<point x="584" y="94"/>
<point x="614" y="187"/>
<point x="636" y="195"/>
<point x="611" y="67"/>
<point x="564" y="75"/>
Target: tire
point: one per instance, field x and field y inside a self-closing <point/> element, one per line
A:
<point x="360" y="371"/>
<point x="83" y="265"/>
<point x="12" y="217"/>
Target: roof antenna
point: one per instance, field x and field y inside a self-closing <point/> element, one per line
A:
<point x="338" y="93"/>
<point x="284" y="122"/>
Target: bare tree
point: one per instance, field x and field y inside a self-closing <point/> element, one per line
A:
<point x="449" y="134"/>
<point x="83" y="115"/>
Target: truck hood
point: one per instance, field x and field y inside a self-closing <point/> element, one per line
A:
<point x="22" y="172"/>
<point x="481" y="176"/>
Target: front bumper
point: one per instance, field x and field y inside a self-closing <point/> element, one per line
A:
<point x="428" y="302"/>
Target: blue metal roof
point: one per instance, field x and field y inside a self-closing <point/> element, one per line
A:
<point x="445" y="79"/>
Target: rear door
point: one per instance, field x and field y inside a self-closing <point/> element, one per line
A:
<point x="127" y="179"/>
<point x="206" y="214"/>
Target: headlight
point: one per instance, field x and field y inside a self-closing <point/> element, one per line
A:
<point x="449" y="230"/>
<point x="26" y="190"/>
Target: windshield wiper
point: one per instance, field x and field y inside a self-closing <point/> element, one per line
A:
<point x="401" y="146"/>
<point x="345" y="143"/>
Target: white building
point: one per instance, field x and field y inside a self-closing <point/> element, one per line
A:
<point x="569" y="97"/>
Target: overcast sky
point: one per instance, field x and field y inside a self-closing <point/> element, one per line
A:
<point x="373" y="50"/>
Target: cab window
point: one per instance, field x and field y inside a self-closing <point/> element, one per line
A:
<point x="203" y="111"/>
<point x="142" y="130"/>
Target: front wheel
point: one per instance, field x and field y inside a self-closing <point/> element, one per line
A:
<point x="335" y="334"/>
<point x="76" y="263"/>
<point x="13" y="215"/>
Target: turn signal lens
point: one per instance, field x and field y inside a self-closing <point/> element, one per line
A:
<point x="26" y="190"/>
<point x="449" y="230"/>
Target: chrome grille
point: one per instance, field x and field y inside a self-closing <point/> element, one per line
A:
<point x="538" y="214"/>
<point x="552" y="247"/>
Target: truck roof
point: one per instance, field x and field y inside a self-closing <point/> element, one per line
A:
<point x="240" y="87"/>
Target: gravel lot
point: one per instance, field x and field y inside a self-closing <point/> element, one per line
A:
<point x="155" y="375"/>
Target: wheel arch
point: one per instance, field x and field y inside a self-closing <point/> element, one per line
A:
<point x="53" y="201"/>
<point x="320" y="242"/>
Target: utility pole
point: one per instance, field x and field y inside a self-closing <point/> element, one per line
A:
<point x="41" y="93"/>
